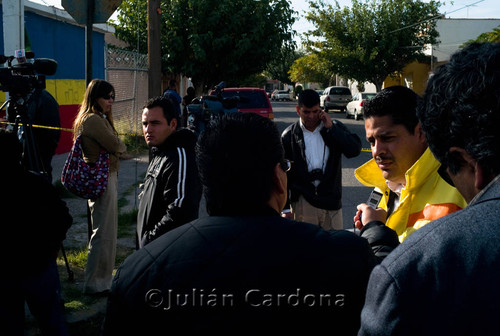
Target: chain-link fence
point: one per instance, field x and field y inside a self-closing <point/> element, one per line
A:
<point x="128" y="72"/>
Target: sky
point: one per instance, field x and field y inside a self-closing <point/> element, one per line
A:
<point x="472" y="9"/>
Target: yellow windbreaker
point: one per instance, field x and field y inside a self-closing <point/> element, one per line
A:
<point x="425" y="197"/>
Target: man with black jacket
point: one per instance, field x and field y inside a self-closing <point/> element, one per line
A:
<point x="242" y="270"/>
<point x="315" y="144"/>
<point x="171" y="192"/>
<point x="34" y="224"/>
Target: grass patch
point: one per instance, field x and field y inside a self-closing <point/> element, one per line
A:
<point x="76" y="258"/>
<point x="75" y="301"/>
<point x="122" y="201"/>
<point x="135" y="144"/>
<point x="72" y="292"/>
<point x="126" y="223"/>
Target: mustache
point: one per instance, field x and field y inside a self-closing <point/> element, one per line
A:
<point x="381" y="158"/>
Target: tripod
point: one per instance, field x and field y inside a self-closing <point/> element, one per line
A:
<point x="30" y="156"/>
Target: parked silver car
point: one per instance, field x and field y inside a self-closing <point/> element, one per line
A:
<point x="355" y="106"/>
<point x="335" y="97"/>
<point x="282" y="95"/>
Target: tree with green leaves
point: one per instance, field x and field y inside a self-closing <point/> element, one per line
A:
<point x="371" y="39"/>
<point x="212" y="40"/>
<point x="310" y="69"/>
<point x="279" y="66"/>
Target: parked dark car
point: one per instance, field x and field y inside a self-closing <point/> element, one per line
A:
<point x="251" y="100"/>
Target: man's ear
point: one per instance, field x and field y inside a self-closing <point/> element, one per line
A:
<point x="420" y="133"/>
<point x="173" y="123"/>
<point x="279" y="179"/>
<point x="297" y="108"/>
<point x="481" y="179"/>
<point x="279" y="191"/>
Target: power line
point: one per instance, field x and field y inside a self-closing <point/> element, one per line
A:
<point x="436" y="17"/>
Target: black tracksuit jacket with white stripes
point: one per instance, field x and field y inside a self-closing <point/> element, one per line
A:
<point x="172" y="191"/>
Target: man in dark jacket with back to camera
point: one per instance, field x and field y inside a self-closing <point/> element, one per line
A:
<point x="171" y="192"/>
<point x="34" y="224"/>
<point x="315" y="144"/>
<point x="243" y="269"/>
<point x="444" y="278"/>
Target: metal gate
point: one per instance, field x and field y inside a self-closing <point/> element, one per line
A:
<point x="128" y="72"/>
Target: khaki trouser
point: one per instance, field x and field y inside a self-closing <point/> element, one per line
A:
<point x="328" y="219"/>
<point x="102" y="245"/>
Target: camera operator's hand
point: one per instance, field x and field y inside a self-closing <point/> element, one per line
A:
<point x="367" y="214"/>
<point x="327" y="121"/>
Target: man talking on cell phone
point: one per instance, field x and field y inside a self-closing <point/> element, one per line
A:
<point x="315" y="144"/>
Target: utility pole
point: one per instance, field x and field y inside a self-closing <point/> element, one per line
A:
<point x="13" y="26"/>
<point x="154" y="48"/>
<point x="88" y="12"/>
<point x="88" y="37"/>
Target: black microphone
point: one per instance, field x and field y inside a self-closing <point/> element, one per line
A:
<point x="4" y="59"/>
<point x="29" y="55"/>
<point x="45" y="66"/>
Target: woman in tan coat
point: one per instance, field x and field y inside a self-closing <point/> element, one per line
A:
<point x="94" y="123"/>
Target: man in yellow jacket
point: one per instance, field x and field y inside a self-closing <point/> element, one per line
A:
<point x="403" y="169"/>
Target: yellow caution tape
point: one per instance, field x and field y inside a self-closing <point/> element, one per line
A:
<point x="61" y="129"/>
<point x="40" y="126"/>
<point x="127" y="134"/>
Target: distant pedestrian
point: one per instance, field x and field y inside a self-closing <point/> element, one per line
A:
<point x="94" y="123"/>
<point x="171" y="191"/>
<point x="186" y="100"/>
<point x="171" y="93"/>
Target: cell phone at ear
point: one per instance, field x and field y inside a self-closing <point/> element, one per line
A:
<point x="374" y="199"/>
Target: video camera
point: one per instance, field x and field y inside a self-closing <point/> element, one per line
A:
<point x="20" y="79"/>
<point x="201" y="110"/>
